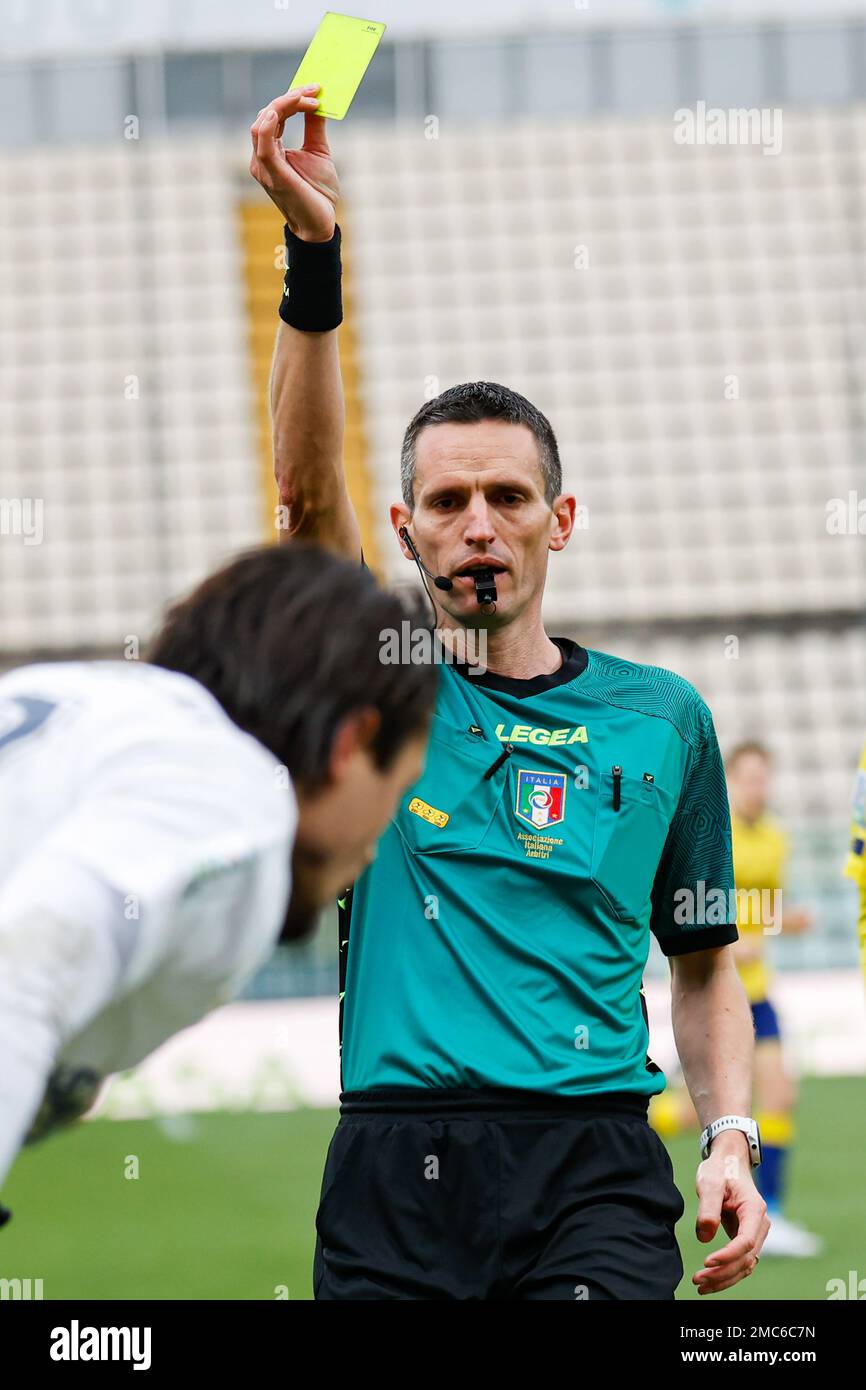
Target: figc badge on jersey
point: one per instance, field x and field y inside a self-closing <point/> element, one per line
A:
<point x="540" y="798"/>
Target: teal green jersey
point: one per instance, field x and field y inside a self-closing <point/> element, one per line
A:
<point x="499" y="937"/>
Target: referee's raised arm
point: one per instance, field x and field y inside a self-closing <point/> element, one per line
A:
<point x="307" y="403"/>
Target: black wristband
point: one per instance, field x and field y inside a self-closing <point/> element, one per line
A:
<point x="313" y="300"/>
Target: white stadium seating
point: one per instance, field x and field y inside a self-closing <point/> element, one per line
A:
<point x="127" y="404"/>
<point x="127" y="397"/>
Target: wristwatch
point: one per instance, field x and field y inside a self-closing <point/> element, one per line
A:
<point x="748" y="1126"/>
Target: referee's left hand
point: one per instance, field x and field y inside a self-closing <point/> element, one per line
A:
<point x="727" y="1196"/>
<point x="302" y="183"/>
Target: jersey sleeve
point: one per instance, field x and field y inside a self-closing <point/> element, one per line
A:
<point x="56" y="972"/>
<point x="168" y="857"/>
<point x="165" y="818"/>
<point x="693" y="899"/>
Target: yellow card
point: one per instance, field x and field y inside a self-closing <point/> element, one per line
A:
<point x="337" y="59"/>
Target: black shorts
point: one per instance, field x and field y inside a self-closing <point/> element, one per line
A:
<point x="496" y="1195"/>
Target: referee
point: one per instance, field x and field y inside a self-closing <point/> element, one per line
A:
<point x="493" y="1139"/>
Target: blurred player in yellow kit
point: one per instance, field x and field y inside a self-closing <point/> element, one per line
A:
<point x="760" y="851"/>
<point x="855" y="867"/>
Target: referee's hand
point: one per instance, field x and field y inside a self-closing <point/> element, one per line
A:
<point x="302" y="183"/>
<point x="727" y="1196"/>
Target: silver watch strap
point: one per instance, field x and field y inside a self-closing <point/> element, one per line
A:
<point x="745" y="1124"/>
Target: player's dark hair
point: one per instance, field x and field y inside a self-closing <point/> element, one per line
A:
<point x="470" y="403"/>
<point x="742" y="750"/>
<point x="289" y="639"/>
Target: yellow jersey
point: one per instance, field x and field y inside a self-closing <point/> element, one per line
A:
<point x="855" y="867"/>
<point x="760" y="853"/>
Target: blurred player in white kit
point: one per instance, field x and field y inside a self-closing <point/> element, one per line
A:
<point x="163" y="825"/>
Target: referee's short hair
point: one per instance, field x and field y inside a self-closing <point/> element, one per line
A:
<point x="289" y="640"/>
<point x="470" y="403"/>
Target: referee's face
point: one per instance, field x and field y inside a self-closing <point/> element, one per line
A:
<point x="479" y="501"/>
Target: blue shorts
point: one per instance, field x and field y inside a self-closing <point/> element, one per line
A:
<point x="766" y="1020"/>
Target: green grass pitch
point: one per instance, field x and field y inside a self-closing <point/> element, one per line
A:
<point x="223" y="1206"/>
